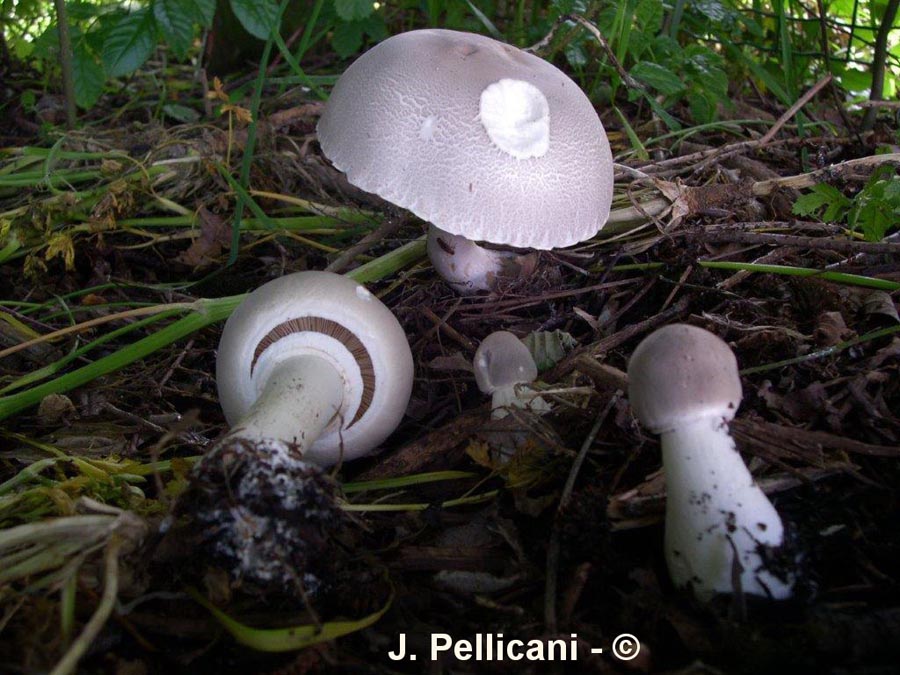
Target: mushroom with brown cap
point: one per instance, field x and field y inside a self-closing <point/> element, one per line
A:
<point x="312" y="369"/>
<point x="480" y="139"/>
<point x="722" y="532"/>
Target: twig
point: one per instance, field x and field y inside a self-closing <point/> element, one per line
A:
<point x="894" y="105"/>
<point x="802" y="101"/>
<point x="553" y="545"/>
<point x="374" y="237"/>
<point x="729" y="235"/>
<point x="629" y="81"/>
<point x="766" y="187"/>
<point x="822" y="353"/>
<point x="452" y="333"/>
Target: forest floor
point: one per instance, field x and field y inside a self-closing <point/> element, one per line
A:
<point x="124" y="221"/>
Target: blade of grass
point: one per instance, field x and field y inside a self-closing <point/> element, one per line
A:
<point x="292" y="637"/>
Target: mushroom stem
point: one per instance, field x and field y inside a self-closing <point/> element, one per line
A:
<point x="714" y="512"/>
<point x="469" y="267"/>
<point x="298" y="401"/>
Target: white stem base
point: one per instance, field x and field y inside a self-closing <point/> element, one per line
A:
<point x="468" y="267"/>
<point x="718" y="521"/>
<point x="299" y="401"/>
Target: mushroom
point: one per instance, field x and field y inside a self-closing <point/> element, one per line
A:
<point x="503" y="368"/>
<point x="722" y="533"/>
<point x="312" y="369"/>
<point x="483" y="140"/>
<point x="315" y="360"/>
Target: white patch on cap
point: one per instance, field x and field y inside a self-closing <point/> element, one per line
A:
<point x="363" y="293"/>
<point x="426" y="131"/>
<point x="516" y="116"/>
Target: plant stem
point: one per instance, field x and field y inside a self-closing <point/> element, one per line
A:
<point x="65" y="61"/>
<point x="879" y="57"/>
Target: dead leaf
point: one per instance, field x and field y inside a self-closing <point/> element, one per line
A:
<point x="831" y="329"/>
<point x="882" y="304"/>
<point x="215" y="234"/>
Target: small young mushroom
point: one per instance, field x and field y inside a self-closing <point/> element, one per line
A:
<point x="483" y="140"/>
<point x="503" y="368"/>
<point x="312" y="369"/>
<point x="722" y="532"/>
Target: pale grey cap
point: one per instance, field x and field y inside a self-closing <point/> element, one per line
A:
<point x="411" y="121"/>
<point x="681" y="373"/>
<point x="503" y="360"/>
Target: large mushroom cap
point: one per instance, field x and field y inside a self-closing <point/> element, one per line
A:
<point x="336" y="319"/>
<point x="473" y="135"/>
<point x="679" y="374"/>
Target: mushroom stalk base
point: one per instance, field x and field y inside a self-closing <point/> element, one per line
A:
<point x="300" y="399"/>
<point x="469" y="267"/>
<point x="720" y="526"/>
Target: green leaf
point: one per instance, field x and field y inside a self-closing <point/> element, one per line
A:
<point x="129" y="43"/>
<point x="176" y="21"/>
<point x="808" y="204"/>
<point x="576" y="55"/>
<point x="658" y="77"/>
<point x="258" y="17"/>
<point x="855" y="80"/>
<point x="354" y="10"/>
<point x="649" y="15"/>
<point x="201" y="11"/>
<point x="88" y="75"/>
<point x="181" y="113"/>
<point x="347" y="38"/>
<point x="823" y="196"/>
<point x="703" y="107"/>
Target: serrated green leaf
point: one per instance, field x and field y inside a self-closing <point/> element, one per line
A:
<point x="88" y="75"/>
<point x="129" y="43"/>
<point x="354" y="10"/>
<point x="658" y="77"/>
<point x="808" y="204"/>
<point x="176" y="22"/>
<point x="258" y="17"/>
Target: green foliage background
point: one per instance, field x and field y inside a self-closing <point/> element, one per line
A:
<point x="682" y="52"/>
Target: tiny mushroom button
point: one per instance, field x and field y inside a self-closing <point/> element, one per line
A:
<point x="504" y="367"/>
<point x="722" y="533"/>
<point x="481" y="139"/>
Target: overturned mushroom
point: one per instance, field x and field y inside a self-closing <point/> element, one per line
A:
<point x="483" y="140"/>
<point x="312" y="369"/>
<point x="722" y="533"/>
